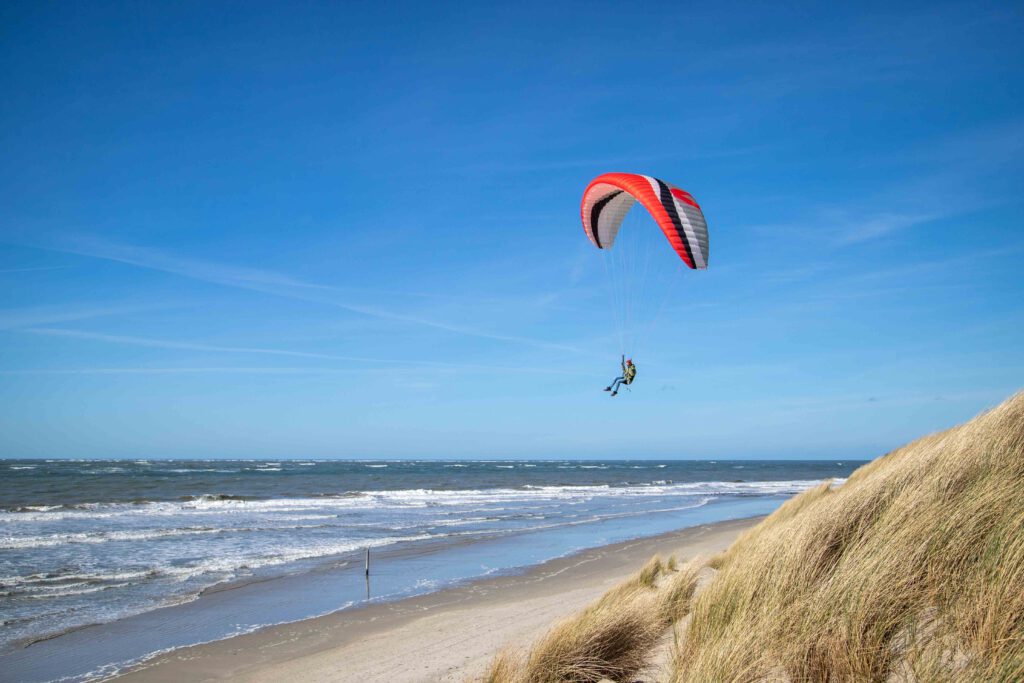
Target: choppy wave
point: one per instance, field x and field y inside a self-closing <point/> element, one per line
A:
<point x="219" y="565"/>
<point x="204" y="504"/>
<point x="58" y="539"/>
<point x="149" y="533"/>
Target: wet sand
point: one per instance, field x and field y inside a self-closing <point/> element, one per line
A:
<point x="450" y="635"/>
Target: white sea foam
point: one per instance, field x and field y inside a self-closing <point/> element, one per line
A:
<point x="397" y="499"/>
<point x="69" y="591"/>
<point x="87" y="577"/>
<point x="283" y="555"/>
<point x="51" y="540"/>
<point x="13" y="542"/>
<point x="216" y="569"/>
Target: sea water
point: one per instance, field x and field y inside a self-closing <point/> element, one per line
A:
<point x="103" y="562"/>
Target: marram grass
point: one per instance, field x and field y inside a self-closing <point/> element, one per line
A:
<point x="911" y="571"/>
<point x="611" y="639"/>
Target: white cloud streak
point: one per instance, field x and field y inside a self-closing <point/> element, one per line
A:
<point x="150" y="342"/>
<point x="882" y="225"/>
<point x="15" y="318"/>
<point x="276" y="284"/>
<point x="31" y="269"/>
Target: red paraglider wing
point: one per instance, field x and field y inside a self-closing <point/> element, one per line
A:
<point x="609" y="197"/>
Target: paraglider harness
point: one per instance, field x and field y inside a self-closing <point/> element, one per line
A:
<point x="628" y="373"/>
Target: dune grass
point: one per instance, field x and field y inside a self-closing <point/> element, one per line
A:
<point x="677" y="592"/>
<point x="913" y="570"/>
<point x="611" y="639"/>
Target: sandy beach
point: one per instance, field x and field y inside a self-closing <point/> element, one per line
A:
<point x="448" y="635"/>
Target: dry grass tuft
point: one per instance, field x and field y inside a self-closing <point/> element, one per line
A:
<point x="611" y="639"/>
<point x="677" y="592"/>
<point x="608" y="640"/>
<point x="913" y="570"/>
<point x="650" y="572"/>
<point x="717" y="561"/>
<point x="504" y="667"/>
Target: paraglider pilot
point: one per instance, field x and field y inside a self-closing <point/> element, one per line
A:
<point x="628" y="374"/>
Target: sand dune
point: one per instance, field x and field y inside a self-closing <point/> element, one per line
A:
<point x="913" y="570"/>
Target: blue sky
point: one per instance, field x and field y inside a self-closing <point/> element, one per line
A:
<point x="330" y="230"/>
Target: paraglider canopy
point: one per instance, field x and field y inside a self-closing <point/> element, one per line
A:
<point x="617" y="211"/>
<point x="609" y="197"/>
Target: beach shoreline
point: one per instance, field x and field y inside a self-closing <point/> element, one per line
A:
<point x="448" y="635"/>
<point x="99" y="587"/>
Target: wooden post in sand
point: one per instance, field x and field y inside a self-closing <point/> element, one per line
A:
<point x="367" y="561"/>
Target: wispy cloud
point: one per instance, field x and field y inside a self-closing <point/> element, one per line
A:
<point x="190" y="346"/>
<point x="15" y="318"/>
<point x="182" y="371"/>
<point x="196" y="269"/>
<point x="953" y="265"/>
<point x="630" y="161"/>
<point x="841" y="225"/>
<point x="982" y="148"/>
<point x="930" y="180"/>
<point x="266" y="370"/>
<point x="276" y="284"/>
<point x="845" y="56"/>
<point x="126" y="340"/>
<point x="881" y="225"/>
<point x="31" y="269"/>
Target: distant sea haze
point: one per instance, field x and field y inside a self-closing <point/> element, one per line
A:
<point x="102" y="541"/>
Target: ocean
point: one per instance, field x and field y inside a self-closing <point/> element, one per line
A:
<point x="103" y="562"/>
